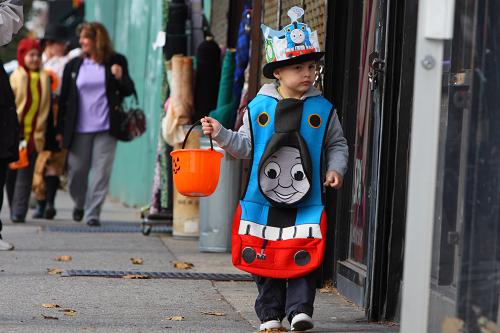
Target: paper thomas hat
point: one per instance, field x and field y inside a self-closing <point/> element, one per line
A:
<point x="295" y="43"/>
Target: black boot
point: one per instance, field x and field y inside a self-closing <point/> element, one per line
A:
<point x="50" y="212"/>
<point x="51" y="186"/>
<point x="40" y="209"/>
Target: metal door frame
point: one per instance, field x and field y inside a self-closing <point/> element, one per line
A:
<point x="354" y="279"/>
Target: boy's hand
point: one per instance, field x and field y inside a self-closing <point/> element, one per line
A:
<point x="333" y="179"/>
<point x="210" y="126"/>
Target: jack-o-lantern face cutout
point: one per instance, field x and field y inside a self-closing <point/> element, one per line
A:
<point x="282" y="177"/>
<point x="176" y="165"/>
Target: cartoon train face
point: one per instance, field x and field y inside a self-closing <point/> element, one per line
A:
<point x="282" y="179"/>
<point x="298" y="39"/>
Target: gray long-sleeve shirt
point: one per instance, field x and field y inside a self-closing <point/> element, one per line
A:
<point x="11" y="19"/>
<point x="239" y="144"/>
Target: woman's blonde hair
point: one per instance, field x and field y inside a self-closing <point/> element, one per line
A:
<point x="98" y="33"/>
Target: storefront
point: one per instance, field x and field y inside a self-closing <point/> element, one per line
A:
<point x="452" y="259"/>
<point x="370" y="78"/>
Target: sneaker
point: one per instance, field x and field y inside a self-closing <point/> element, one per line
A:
<point x="40" y="210"/>
<point x="37" y="215"/>
<point x="77" y="214"/>
<point x="17" y="218"/>
<point x="4" y="246"/>
<point x="93" y="223"/>
<point x="301" y="322"/>
<point x="271" y="324"/>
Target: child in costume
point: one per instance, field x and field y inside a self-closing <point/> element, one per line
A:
<point x="295" y="141"/>
<point x="31" y="87"/>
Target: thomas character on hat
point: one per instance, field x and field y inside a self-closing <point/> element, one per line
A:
<point x="295" y="141"/>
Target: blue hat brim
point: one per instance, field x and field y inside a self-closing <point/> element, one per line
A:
<point x="269" y="68"/>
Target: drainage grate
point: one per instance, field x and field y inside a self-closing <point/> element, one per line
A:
<point x="160" y="275"/>
<point x="109" y="227"/>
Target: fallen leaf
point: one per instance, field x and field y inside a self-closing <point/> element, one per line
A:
<point x="182" y="265"/>
<point x="328" y="288"/>
<point x="50" y="306"/>
<point x="175" y="318"/>
<point x="137" y="261"/>
<point x="54" y="271"/>
<point x="135" y="276"/>
<point x="49" y="317"/>
<point x="63" y="258"/>
<point x="68" y="312"/>
<point x="210" y="313"/>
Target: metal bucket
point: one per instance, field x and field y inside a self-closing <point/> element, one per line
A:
<point x="217" y="210"/>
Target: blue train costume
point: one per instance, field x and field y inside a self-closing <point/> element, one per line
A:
<point x="279" y="228"/>
<point x="280" y="225"/>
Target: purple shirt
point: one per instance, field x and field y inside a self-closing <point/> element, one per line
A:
<point x="93" y="113"/>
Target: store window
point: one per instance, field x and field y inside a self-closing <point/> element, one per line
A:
<point x="361" y="203"/>
<point x="465" y="274"/>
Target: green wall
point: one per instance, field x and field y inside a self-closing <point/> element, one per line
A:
<point x="133" y="26"/>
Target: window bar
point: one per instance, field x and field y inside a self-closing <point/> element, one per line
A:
<point x="280" y="3"/>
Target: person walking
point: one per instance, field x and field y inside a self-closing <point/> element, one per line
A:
<point x="31" y="88"/>
<point x="51" y="161"/>
<point x="280" y="227"/>
<point x="93" y="88"/>
<point x="11" y="20"/>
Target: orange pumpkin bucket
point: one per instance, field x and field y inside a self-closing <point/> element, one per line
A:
<point x="23" y="161"/>
<point x="196" y="171"/>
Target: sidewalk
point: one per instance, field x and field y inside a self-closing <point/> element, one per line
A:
<point x="121" y="305"/>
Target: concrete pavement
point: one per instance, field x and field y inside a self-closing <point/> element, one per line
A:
<point x="121" y="305"/>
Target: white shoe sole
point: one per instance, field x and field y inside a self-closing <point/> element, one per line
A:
<point x="302" y="322"/>
<point x="4" y="246"/>
<point x="270" y="325"/>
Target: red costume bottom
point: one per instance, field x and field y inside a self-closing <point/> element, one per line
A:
<point x="284" y="259"/>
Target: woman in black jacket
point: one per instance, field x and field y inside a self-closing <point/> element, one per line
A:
<point x="93" y="88"/>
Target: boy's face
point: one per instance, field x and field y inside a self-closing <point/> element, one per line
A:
<point x="298" y="77"/>
<point x="32" y="60"/>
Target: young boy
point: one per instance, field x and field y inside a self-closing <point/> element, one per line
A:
<point x="293" y="136"/>
<point x="50" y="162"/>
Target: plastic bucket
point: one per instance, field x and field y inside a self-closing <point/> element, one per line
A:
<point x="23" y="161"/>
<point x="196" y="171"/>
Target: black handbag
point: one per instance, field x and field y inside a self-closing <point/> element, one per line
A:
<point x="132" y="121"/>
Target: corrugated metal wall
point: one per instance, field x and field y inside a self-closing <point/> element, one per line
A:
<point x="133" y="26"/>
<point x="218" y="21"/>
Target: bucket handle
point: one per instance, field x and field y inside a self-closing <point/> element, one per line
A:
<point x="190" y="129"/>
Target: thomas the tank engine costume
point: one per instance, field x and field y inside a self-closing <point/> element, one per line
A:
<point x="279" y="227"/>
